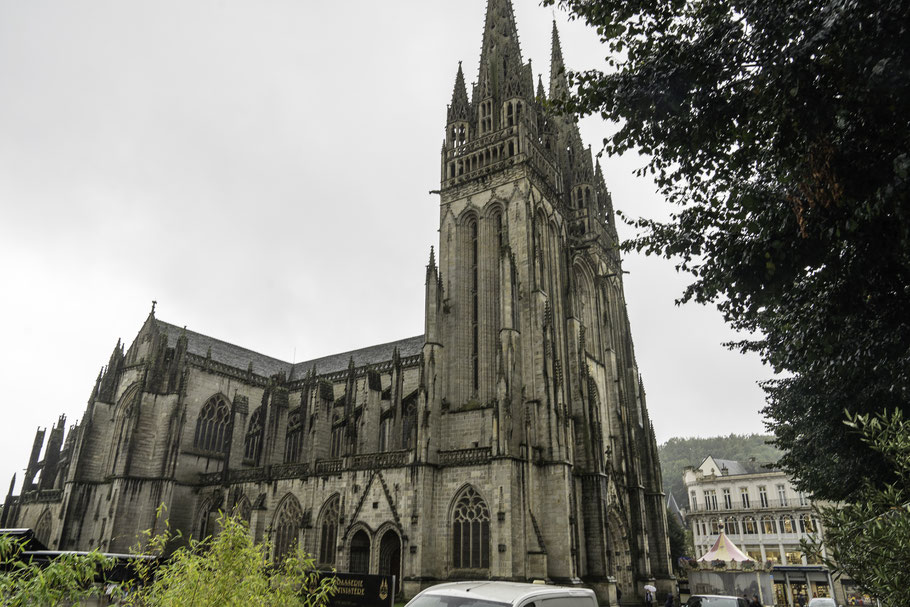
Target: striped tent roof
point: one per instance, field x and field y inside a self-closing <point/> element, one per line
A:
<point x="724" y="550"/>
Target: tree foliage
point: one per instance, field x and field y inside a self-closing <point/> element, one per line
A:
<point x="677" y="536"/>
<point x="224" y="570"/>
<point x="677" y="453"/>
<point x="869" y="539"/>
<point x="779" y="130"/>
<point x="67" y="579"/>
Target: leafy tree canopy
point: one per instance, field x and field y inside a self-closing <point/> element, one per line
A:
<point x="677" y="536"/>
<point x="779" y="130"/>
<point x="677" y="453"/>
<point x="869" y="540"/>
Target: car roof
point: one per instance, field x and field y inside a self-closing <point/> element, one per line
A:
<point x="716" y="596"/>
<point x="503" y="592"/>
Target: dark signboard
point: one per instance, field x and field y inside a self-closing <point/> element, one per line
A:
<point x="362" y="590"/>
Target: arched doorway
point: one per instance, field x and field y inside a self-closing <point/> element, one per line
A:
<point x="360" y="553"/>
<point x="390" y="557"/>
<point x="620" y="557"/>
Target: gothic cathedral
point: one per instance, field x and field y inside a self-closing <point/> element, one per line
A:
<point x="510" y="441"/>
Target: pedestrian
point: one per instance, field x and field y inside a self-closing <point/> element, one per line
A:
<point x="755" y="602"/>
<point x="649" y="599"/>
<point x="669" y="602"/>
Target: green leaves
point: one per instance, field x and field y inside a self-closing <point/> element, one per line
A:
<point x="228" y="569"/>
<point x="68" y="578"/>
<point x="868" y="539"/>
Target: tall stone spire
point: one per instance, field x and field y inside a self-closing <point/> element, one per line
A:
<point x="459" y="109"/>
<point x="559" y="83"/>
<point x="500" y="55"/>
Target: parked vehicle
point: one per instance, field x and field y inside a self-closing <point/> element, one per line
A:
<point x="503" y="594"/>
<point x="822" y="602"/>
<point x="716" y="600"/>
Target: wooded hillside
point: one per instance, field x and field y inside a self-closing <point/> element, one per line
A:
<point x="677" y="453"/>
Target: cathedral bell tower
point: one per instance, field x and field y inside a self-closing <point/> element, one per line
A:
<point x="528" y="358"/>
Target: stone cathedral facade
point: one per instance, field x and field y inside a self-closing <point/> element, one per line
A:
<point x="510" y="441"/>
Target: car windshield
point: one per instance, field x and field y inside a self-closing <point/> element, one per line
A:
<point x="443" y="600"/>
<point x="712" y="601"/>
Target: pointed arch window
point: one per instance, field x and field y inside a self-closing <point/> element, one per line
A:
<point x="470" y="531"/>
<point x="409" y="421"/>
<point x="336" y="448"/>
<point x="385" y="433"/>
<point x="202" y="521"/>
<point x="252" y="444"/>
<point x="243" y="509"/>
<point x="286" y="527"/>
<point x="212" y="425"/>
<point x="360" y="553"/>
<point x="475" y="337"/>
<point x="293" y="440"/>
<point x="328" y="531"/>
<point x="43" y="528"/>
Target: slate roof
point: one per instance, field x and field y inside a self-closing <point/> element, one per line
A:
<point x="240" y="358"/>
<point x="736" y="467"/>
<point x="224" y="352"/>
<point x="370" y="355"/>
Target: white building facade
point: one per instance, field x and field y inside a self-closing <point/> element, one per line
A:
<point x="766" y="518"/>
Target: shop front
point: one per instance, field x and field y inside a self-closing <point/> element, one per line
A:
<point x="795" y="585"/>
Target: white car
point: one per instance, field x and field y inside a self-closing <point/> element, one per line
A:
<point x="502" y="594"/>
<point x="822" y="602"/>
<point x="716" y="600"/>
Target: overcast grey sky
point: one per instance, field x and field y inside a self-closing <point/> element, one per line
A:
<point x="262" y="170"/>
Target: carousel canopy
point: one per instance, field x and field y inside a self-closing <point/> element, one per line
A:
<point x="724" y="550"/>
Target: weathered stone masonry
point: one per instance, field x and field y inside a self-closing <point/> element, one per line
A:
<point x="510" y="441"/>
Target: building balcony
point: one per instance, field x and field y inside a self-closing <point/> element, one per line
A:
<point x="793" y="503"/>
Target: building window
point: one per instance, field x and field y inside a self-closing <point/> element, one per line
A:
<point x="360" y="553"/>
<point x="807" y="524"/>
<point x="749" y="526"/>
<point x="243" y="509"/>
<point x="328" y="532"/>
<point x="715" y="526"/>
<point x="753" y="552"/>
<point x="212" y="425"/>
<point x="252" y="444"/>
<point x="728" y="500"/>
<point x="763" y="496"/>
<point x="475" y="337"/>
<point x="293" y="440"/>
<point x="787" y="524"/>
<point x="744" y="496"/>
<point x="768" y="525"/>
<point x="710" y="499"/>
<point x="731" y="525"/>
<point x="385" y="433"/>
<point x="337" y="447"/>
<point x="793" y="555"/>
<point x="470" y="532"/>
<point x="803" y="499"/>
<point x="43" y="528"/>
<point x="694" y="500"/>
<point x="773" y="555"/>
<point x="782" y="495"/>
<point x="286" y="528"/>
